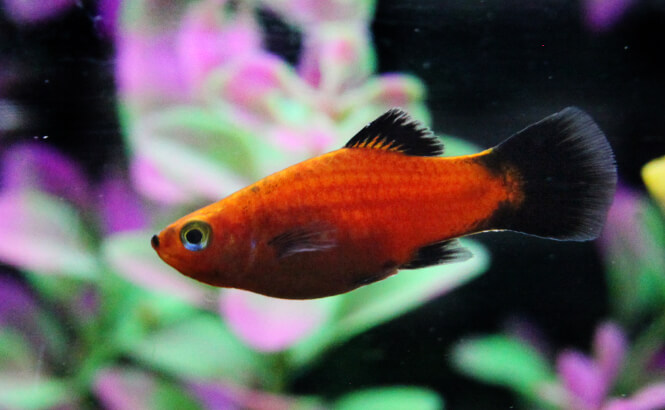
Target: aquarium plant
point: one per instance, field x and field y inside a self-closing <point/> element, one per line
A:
<point x="625" y="369"/>
<point x="90" y="316"/>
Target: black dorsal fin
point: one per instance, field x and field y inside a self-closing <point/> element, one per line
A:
<point x="397" y="131"/>
<point x="437" y="253"/>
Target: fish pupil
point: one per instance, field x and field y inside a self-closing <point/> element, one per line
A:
<point x="194" y="236"/>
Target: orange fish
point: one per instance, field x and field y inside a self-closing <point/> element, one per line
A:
<point x="388" y="201"/>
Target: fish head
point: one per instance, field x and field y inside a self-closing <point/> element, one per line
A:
<point x="200" y="246"/>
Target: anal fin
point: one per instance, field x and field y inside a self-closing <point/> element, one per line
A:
<point x="437" y="253"/>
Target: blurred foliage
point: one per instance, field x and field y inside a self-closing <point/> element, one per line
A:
<point x="633" y="247"/>
<point x="505" y="361"/>
<point x="395" y="398"/>
<point x="90" y="316"/>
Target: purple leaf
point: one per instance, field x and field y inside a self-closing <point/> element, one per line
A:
<point x="601" y="15"/>
<point x="32" y="11"/>
<point x="40" y="167"/>
<point x="527" y="331"/>
<point x="657" y="361"/>
<point x="120" y="207"/>
<point x="86" y="305"/>
<point x="17" y="307"/>
<point x="220" y="396"/>
<point x="19" y="310"/>
<point x="108" y="16"/>
<point x="214" y="396"/>
<point x="582" y="378"/>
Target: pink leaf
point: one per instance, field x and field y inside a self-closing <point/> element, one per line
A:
<point x="609" y="348"/>
<point x="206" y="40"/>
<point x="651" y="397"/>
<point x="148" y="69"/>
<point x="250" y="80"/>
<point x="120" y="389"/>
<point x="270" y="324"/>
<point x="153" y="184"/>
<point x="582" y="378"/>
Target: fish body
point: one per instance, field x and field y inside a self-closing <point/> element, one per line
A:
<point x="387" y="201"/>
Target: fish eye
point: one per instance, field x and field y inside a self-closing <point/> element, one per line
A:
<point x="195" y="235"/>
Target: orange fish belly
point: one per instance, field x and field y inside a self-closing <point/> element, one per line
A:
<point x="388" y="201"/>
<point x="381" y="207"/>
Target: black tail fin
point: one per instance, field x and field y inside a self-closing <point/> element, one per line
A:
<point x="567" y="173"/>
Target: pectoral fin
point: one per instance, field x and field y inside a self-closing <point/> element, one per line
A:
<point x="314" y="237"/>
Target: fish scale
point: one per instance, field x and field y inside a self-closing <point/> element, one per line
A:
<point x="388" y="201"/>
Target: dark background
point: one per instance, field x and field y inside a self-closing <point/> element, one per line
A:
<point x="491" y="68"/>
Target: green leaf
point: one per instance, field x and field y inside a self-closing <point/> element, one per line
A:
<point x="143" y="312"/>
<point x="56" y="288"/>
<point x="15" y="353"/>
<point x="504" y="361"/>
<point x="636" y="263"/>
<point x="456" y="146"/>
<point x="370" y="305"/>
<point x="202" y="152"/>
<point x="182" y="146"/>
<point x="390" y="398"/>
<point x="200" y="347"/>
<point x="43" y="234"/>
<point x="169" y="396"/>
<point x="33" y="392"/>
<point x="22" y="384"/>
<point x="366" y="307"/>
<point x="127" y="316"/>
<point x="651" y="289"/>
<point x="202" y="131"/>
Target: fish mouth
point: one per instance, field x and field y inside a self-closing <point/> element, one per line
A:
<point x="154" y="241"/>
